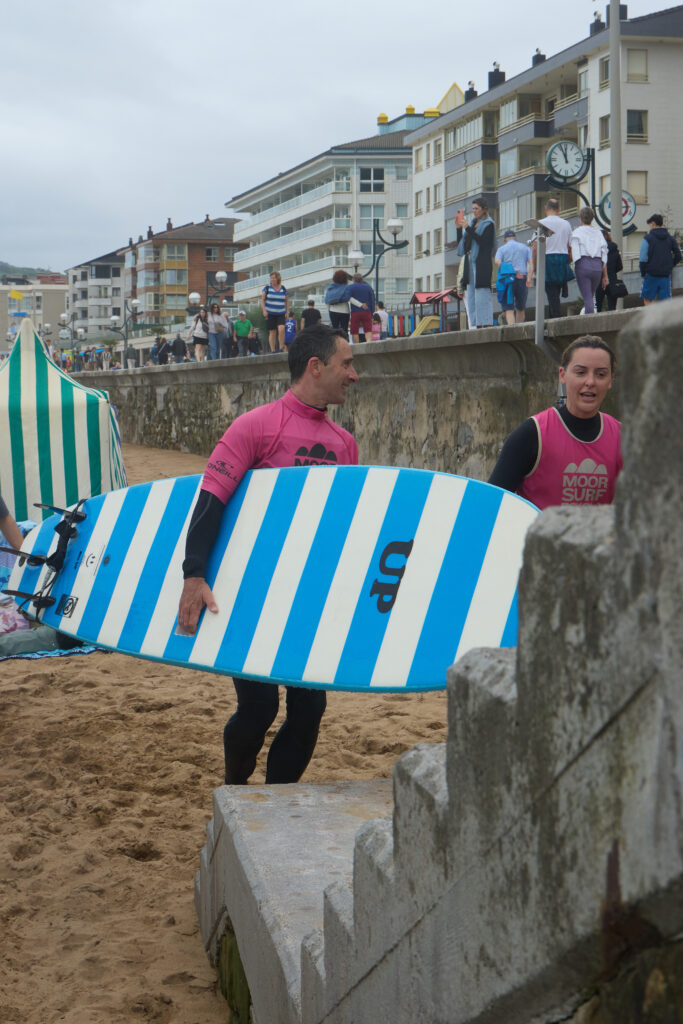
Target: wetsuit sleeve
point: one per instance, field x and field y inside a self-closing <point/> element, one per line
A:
<point x="202" y="533"/>
<point x="517" y="458"/>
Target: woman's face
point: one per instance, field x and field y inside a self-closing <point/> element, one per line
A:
<point x="273" y="281"/>
<point x="478" y="211"/>
<point x="588" y="378"/>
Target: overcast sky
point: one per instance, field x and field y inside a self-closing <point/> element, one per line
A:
<point x="118" y="115"/>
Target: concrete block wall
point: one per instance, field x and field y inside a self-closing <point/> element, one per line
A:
<point x="538" y="854"/>
<point x="442" y="402"/>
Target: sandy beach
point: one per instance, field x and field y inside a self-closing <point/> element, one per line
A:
<point x="108" y="768"/>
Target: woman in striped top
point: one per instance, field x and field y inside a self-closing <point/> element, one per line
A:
<point x="275" y="308"/>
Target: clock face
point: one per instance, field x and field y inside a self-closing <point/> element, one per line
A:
<point x="565" y="160"/>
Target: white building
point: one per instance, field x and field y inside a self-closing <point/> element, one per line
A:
<point x="96" y="294"/>
<point x="306" y="221"/>
<point x="495" y="144"/>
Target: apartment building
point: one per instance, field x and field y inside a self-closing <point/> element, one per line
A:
<point x="305" y="222"/>
<point x="164" y="268"/>
<point x="496" y="144"/>
<point x="42" y="298"/>
<point x="95" y="293"/>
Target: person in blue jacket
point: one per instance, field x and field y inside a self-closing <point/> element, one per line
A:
<point x="659" y="254"/>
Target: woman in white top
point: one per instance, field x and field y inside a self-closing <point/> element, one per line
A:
<point x="589" y="253"/>
<point x="218" y="329"/>
<point x="199" y="334"/>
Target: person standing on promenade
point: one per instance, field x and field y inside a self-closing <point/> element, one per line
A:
<point x="589" y="253"/>
<point x="659" y="254"/>
<point x="362" y="299"/>
<point x="275" y="308"/>
<point x="475" y="245"/>
<point x="519" y="257"/>
<point x="556" y="256"/>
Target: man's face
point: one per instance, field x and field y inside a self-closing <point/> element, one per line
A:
<point x="339" y="374"/>
<point x="243" y="317"/>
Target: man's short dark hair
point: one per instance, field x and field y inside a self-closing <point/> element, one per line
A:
<point x="319" y="340"/>
<point x="656" y="219"/>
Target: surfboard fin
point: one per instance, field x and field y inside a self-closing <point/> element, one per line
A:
<point x="74" y="514"/>
<point x="31" y="559"/>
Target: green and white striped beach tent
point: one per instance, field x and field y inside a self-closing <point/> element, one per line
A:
<point x="59" y="440"/>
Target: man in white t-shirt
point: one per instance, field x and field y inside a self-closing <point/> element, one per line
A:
<point x="557" y="253"/>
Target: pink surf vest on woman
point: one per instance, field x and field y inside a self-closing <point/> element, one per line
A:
<point x="569" y="471"/>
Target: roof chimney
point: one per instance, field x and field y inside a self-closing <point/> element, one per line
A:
<point x="496" y="77"/>
<point x="130" y="241"/>
<point x="410" y="110"/>
<point x="169" y="224"/>
<point x="207" y="219"/>
<point x="150" y="233"/>
<point x="623" y="13"/>
<point x="597" y="25"/>
<point x="139" y="239"/>
<point x="537" y="58"/>
<point x="471" y="93"/>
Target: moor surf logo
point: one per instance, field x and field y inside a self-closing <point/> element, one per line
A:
<point x="66" y="606"/>
<point x="387" y="590"/>
<point x="317" y="456"/>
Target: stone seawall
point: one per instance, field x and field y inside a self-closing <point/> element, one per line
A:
<point x="443" y="402"/>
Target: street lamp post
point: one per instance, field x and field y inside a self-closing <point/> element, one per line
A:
<point x="67" y="332"/>
<point x="394" y="227"/>
<point x="131" y="313"/>
<point x="356" y="257"/>
<point x="218" y="287"/>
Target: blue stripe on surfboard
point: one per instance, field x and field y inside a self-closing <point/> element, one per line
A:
<point x="368" y="624"/>
<point x="321" y="565"/>
<point x="154" y="570"/>
<point x="178" y="648"/>
<point x="462" y="562"/>
<point x="509" y="638"/>
<point x="67" y="575"/>
<point x="41" y="546"/>
<point x="117" y="546"/>
<point x="260" y="567"/>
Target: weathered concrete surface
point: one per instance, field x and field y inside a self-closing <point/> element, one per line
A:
<point x="533" y="868"/>
<point x="271" y="852"/>
<point x="443" y="402"/>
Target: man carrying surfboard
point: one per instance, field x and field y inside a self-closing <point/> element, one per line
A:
<point x="570" y="455"/>
<point x="294" y="430"/>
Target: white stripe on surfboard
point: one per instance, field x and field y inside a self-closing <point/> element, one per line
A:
<point x="166" y="609"/>
<point x="340" y="605"/>
<point x="46" y="573"/>
<point x="57" y="469"/>
<point x="123" y="593"/>
<point x="287" y="574"/>
<point x="95" y="548"/>
<point x="490" y="605"/>
<point x="419" y="579"/>
<point x="29" y="425"/>
<point x="233" y="565"/>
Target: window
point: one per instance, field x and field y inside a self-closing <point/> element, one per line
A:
<point x="401" y="172"/>
<point x="418" y="284"/>
<point x="428" y="197"/>
<point x="437" y="282"/>
<point x="605" y="180"/>
<point x="438" y="195"/>
<point x="490" y="173"/>
<point x="418" y="159"/>
<point x="368" y="213"/>
<point x="212" y="254"/>
<point x="418" y="247"/>
<point x="604" y="131"/>
<point x="116" y="293"/>
<point x="116" y="271"/>
<point x="428" y="284"/>
<point x="438" y="146"/>
<point x="604" y="72"/>
<point x="438" y="237"/>
<point x="84" y="275"/>
<point x="175" y="252"/>
<point x="583" y="135"/>
<point x="174" y="277"/>
<point x="229" y="252"/>
<point x="402" y="211"/>
<point x="428" y="152"/>
<point x="636" y="184"/>
<point x="508" y="113"/>
<point x="524" y="208"/>
<point x="372" y="179"/>
<point x="474" y="177"/>
<point x="507" y="214"/>
<point x="508" y="162"/>
<point x="636" y="65"/>
<point x="428" y="243"/>
<point x="402" y="285"/>
<point x="456" y="184"/>
<point x="450" y="141"/>
<point x="583" y="82"/>
<point x="636" y="125"/>
<point x="418" y="202"/>
<point x="470" y="132"/>
<point x="116" y="311"/>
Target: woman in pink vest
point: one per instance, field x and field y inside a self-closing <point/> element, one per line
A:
<point x="569" y="455"/>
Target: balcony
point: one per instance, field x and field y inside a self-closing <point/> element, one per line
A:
<point x="327" y="189"/>
<point x="291" y="274"/>
<point x="246" y="255"/>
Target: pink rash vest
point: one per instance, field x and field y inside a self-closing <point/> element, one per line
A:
<point x="569" y="471"/>
<point x="283" y="433"/>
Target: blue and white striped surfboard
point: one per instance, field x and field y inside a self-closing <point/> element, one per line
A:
<point x="350" y="577"/>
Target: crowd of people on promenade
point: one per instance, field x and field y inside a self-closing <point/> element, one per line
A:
<point x="585" y="253"/>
